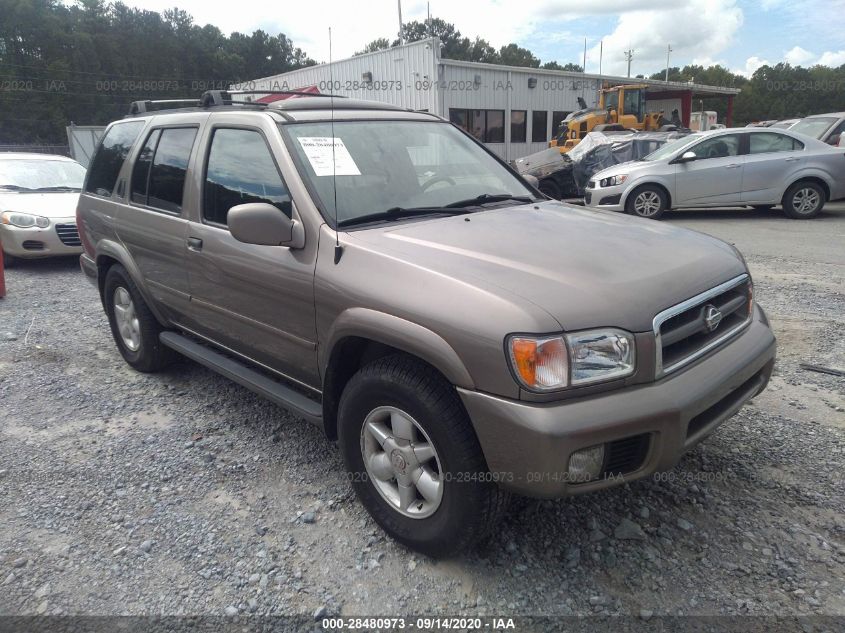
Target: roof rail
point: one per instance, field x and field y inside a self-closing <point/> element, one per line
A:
<point x="212" y="98"/>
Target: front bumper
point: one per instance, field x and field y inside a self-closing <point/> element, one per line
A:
<point x="527" y="446"/>
<point x="609" y="198"/>
<point x="60" y="238"/>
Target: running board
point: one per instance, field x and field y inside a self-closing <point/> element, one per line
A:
<point x="253" y="380"/>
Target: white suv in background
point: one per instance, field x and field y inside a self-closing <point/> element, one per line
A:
<point x="38" y="196"/>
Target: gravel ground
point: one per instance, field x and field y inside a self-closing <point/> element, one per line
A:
<point x="182" y="493"/>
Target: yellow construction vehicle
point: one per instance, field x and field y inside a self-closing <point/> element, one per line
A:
<point x="620" y="107"/>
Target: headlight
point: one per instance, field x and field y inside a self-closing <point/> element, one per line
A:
<point x="613" y="180"/>
<point x="25" y="220"/>
<point x="571" y="360"/>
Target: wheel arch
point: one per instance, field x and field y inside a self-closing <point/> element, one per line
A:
<point x="110" y="253"/>
<point x="360" y="336"/>
<point x="809" y="177"/>
<point x="633" y="188"/>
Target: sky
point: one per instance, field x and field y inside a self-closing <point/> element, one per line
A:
<point x="738" y="34"/>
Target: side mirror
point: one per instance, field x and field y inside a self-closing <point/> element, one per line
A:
<point x="686" y="157"/>
<point x="264" y="224"/>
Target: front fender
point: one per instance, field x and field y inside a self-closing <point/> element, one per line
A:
<point x="399" y="333"/>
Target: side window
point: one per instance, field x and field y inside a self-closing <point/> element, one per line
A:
<point x="113" y="150"/>
<point x="539" y="127"/>
<point x="240" y="170"/>
<point x="167" y="173"/>
<point x="768" y="142"/>
<point x="141" y="170"/>
<point x="518" y="126"/>
<point x="718" y="147"/>
<point x="158" y="178"/>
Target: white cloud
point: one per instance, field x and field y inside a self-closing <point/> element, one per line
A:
<point x="694" y="28"/>
<point x="752" y="64"/>
<point x="831" y="58"/>
<point x="798" y="56"/>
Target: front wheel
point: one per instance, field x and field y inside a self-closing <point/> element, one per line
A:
<point x="647" y="201"/>
<point x="803" y="200"/>
<point x="413" y="457"/>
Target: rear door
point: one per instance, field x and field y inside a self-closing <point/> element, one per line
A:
<point x="152" y="221"/>
<point x="257" y="301"/>
<point x="773" y="161"/>
<point x="715" y="177"/>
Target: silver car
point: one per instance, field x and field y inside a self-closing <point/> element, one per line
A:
<point x="759" y="168"/>
<point x="38" y="196"/>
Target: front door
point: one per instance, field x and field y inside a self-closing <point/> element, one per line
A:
<point x="257" y="301"/>
<point x="715" y="177"/>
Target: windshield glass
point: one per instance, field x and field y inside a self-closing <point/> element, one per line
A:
<point x="671" y="147"/>
<point x="27" y="174"/>
<point x="814" y="127"/>
<point x="389" y="165"/>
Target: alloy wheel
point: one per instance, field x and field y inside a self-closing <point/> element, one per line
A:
<point x="647" y="204"/>
<point x="806" y="200"/>
<point x="402" y="462"/>
<point x="126" y="319"/>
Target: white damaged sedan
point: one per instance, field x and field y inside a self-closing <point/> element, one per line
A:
<point x="38" y="196"/>
<point x="758" y="168"/>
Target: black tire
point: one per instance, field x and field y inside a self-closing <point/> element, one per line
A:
<point x="549" y="188"/>
<point x="806" y="188"/>
<point x="8" y="260"/>
<point x="653" y="194"/>
<point x="470" y="504"/>
<point x="151" y="355"/>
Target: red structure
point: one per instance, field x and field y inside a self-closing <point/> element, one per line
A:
<point x="686" y="95"/>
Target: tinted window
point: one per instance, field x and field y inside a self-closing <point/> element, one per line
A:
<point x="632" y="104"/>
<point x="557" y="119"/>
<point x="241" y="170"/>
<point x="488" y="126"/>
<point x="518" y="126"/>
<point x="539" y="128"/>
<point x="767" y="142"/>
<point x="495" y="129"/>
<point x="167" y="175"/>
<point x="459" y="117"/>
<point x="141" y="171"/>
<point x="109" y="158"/>
<point x="718" y="147"/>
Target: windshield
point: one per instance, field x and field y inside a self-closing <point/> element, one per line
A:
<point x="32" y="174"/>
<point x="383" y="166"/>
<point x="672" y="146"/>
<point x="814" y="127"/>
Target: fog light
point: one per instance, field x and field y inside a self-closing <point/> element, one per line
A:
<point x="586" y="464"/>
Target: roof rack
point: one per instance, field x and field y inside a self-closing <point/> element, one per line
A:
<point x="212" y="98"/>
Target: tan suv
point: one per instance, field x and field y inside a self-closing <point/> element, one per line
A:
<point x="380" y="273"/>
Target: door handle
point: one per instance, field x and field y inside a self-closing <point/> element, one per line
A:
<point x="732" y="166"/>
<point x="791" y="159"/>
<point x="194" y="244"/>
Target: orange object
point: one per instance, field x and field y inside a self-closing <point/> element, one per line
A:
<point x="2" y="275"/>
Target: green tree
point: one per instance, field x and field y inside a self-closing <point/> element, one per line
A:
<point x="513" y="55"/>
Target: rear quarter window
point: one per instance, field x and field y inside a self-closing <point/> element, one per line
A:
<point x="113" y="150"/>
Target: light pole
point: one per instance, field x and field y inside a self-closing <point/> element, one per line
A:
<point x="668" y="50"/>
<point x="629" y="55"/>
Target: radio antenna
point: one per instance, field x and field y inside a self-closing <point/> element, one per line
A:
<point x="338" y="249"/>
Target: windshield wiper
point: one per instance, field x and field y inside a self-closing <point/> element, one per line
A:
<point x="399" y="212"/>
<point x="58" y="188"/>
<point x="15" y="188"/>
<point x="488" y="197"/>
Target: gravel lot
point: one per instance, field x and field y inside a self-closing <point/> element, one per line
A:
<point x="182" y="493"/>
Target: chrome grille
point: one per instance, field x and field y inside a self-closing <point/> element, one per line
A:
<point x="68" y="234"/>
<point x="692" y="328"/>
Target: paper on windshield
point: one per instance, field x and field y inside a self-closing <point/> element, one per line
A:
<point x="318" y="150"/>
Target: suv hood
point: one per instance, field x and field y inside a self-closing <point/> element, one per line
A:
<point x="50" y="205"/>
<point x="586" y="268"/>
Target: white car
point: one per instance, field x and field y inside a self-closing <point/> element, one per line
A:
<point x="38" y="196"/>
<point x="755" y="167"/>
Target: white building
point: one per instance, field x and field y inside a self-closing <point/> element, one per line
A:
<point x="513" y="110"/>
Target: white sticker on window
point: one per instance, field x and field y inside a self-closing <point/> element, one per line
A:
<point x="318" y="149"/>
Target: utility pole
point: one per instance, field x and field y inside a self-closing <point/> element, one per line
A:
<point x="401" y="36"/>
<point x="668" y="50"/>
<point x="601" y="54"/>
<point x="428" y="18"/>
<point x="629" y="55"/>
